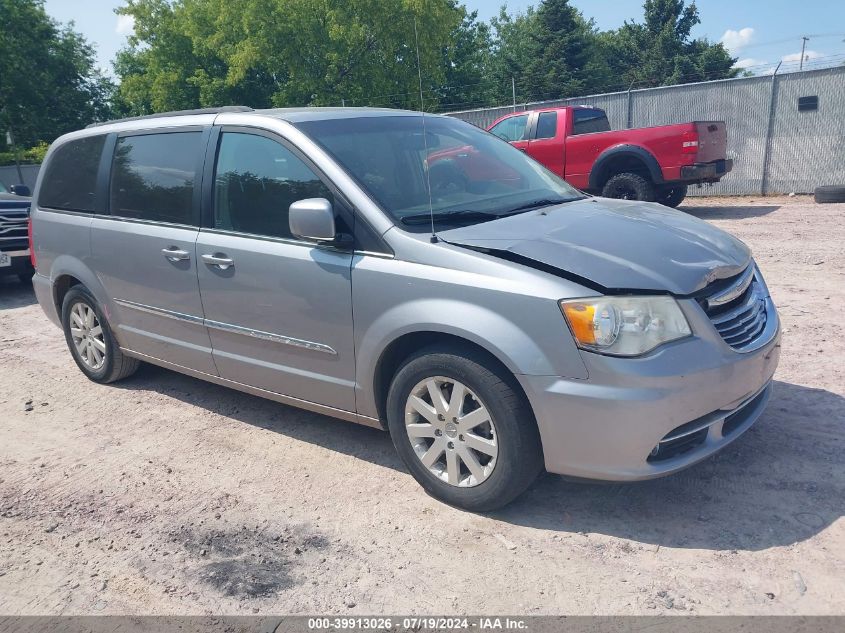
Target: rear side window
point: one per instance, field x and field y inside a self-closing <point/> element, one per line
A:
<point x="256" y="181"/>
<point x="589" y="121"/>
<point x="153" y="177"/>
<point x="512" y="129"/>
<point x="546" y="125"/>
<point x="70" y="179"/>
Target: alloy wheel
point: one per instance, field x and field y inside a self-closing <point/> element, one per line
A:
<point x="451" y="431"/>
<point x="87" y="335"/>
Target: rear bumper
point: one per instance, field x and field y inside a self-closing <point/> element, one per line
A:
<point x="641" y="418"/>
<point x="43" y="288"/>
<point x="706" y="172"/>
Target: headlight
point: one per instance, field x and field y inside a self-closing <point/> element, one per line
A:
<point x="624" y="326"/>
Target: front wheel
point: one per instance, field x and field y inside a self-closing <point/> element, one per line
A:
<point x="671" y="196"/>
<point x="463" y="430"/>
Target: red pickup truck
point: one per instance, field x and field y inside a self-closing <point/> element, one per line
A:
<point x="652" y="163"/>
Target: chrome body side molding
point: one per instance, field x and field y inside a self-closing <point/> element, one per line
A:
<point x="228" y="327"/>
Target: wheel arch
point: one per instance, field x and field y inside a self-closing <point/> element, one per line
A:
<point x="402" y="347"/>
<point x="621" y="159"/>
<point x="67" y="272"/>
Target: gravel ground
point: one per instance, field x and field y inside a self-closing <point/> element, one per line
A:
<point x="167" y="495"/>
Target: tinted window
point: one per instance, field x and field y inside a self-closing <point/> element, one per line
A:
<point x="512" y="129"/>
<point x="547" y="125"/>
<point x="589" y="121"/>
<point x="256" y="181"/>
<point x="469" y="171"/>
<point x="70" y="181"/>
<point x="153" y="176"/>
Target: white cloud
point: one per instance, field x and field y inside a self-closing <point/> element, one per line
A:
<point x="125" y="25"/>
<point x="735" y="40"/>
<point x="749" y="62"/>
<point x="796" y="57"/>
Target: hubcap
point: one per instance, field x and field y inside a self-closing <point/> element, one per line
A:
<point x="87" y="335"/>
<point x="451" y="431"/>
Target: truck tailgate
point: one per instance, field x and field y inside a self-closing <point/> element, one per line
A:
<point x="712" y="141"/>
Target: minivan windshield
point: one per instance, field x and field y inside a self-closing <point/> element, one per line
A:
<point x="474" y="176"/>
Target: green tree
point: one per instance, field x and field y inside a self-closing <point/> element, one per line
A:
<point x="564" y="45"/>
<point x="467" y="62"/>
<point x="660" y="50"/>
<point x="49" y="83"/>
<point x="192" y="53"/>
<point x="512" y="48"/>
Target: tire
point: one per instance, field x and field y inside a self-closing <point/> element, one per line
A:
<point x="671" y="196"/>
<point x="830" y="193"/>
<point x="628" y="186"/>
<point x="114" y="364"/>
<point x="505" y="473"/>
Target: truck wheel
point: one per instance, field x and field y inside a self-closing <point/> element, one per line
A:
<point x="629" y="186"/>
<point x="466" y="434"/>
<point x="671" y="196"/>
<point x="830" y="193"/>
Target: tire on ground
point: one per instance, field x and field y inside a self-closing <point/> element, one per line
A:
<point x="117" y="365"/>
<point x="519" y="459"/>
<point x="629" y="186"/>
<point x="830" y="193"/>
<point x="671" y="196"/>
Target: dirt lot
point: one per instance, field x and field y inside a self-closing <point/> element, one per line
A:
<point x="164" y="494"/>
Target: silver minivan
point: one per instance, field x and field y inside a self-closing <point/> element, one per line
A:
<point x="412" y="273"/>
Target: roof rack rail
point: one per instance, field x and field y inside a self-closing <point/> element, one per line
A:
<point x="236" y="108"/>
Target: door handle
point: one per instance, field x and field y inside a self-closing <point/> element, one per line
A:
<point x="175" y="254"/>
<point x="221" y="261"/>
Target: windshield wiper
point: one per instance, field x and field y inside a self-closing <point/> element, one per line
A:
<point x="470" y="215"/>
<point x="425" y="218"/>
<point x="536" y="204"/>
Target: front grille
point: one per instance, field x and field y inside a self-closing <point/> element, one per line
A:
<point x="739" y="417"/>
<point x="13" y="229"/>
<point x="678" y="445"/>
<point x="742" y="319"/>
<point x="691" y="435"/>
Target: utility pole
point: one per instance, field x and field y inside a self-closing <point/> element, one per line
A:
<point x="513" y="91"/>
<point x="804" y="41"/>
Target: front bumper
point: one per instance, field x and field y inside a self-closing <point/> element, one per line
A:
<point x="640" y="418"/>
<point x="19" y="261"/>
<point x="706" y="172"/>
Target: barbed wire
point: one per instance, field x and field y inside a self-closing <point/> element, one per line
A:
<point x="694" y="77"/>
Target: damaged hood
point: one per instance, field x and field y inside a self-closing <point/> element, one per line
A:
<point x="616" y="244"/>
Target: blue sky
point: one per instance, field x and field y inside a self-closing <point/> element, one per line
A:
<point x="759" y="32"/>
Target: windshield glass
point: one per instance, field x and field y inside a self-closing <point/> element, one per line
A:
<point x="3" y="189"/>
<point x="475" y="177"/>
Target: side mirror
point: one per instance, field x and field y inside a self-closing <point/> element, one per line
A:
<point x="312" y="219"/>
<point x="20" y="190"/>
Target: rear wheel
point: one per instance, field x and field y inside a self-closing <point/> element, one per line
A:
<point x="466" y="434"/>
<point x="90" y="339"/>
<point x="671" y="196"/>
<point x="629" y="186"/>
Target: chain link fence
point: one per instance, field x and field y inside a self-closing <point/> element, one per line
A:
<point x="776" y="148"/>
